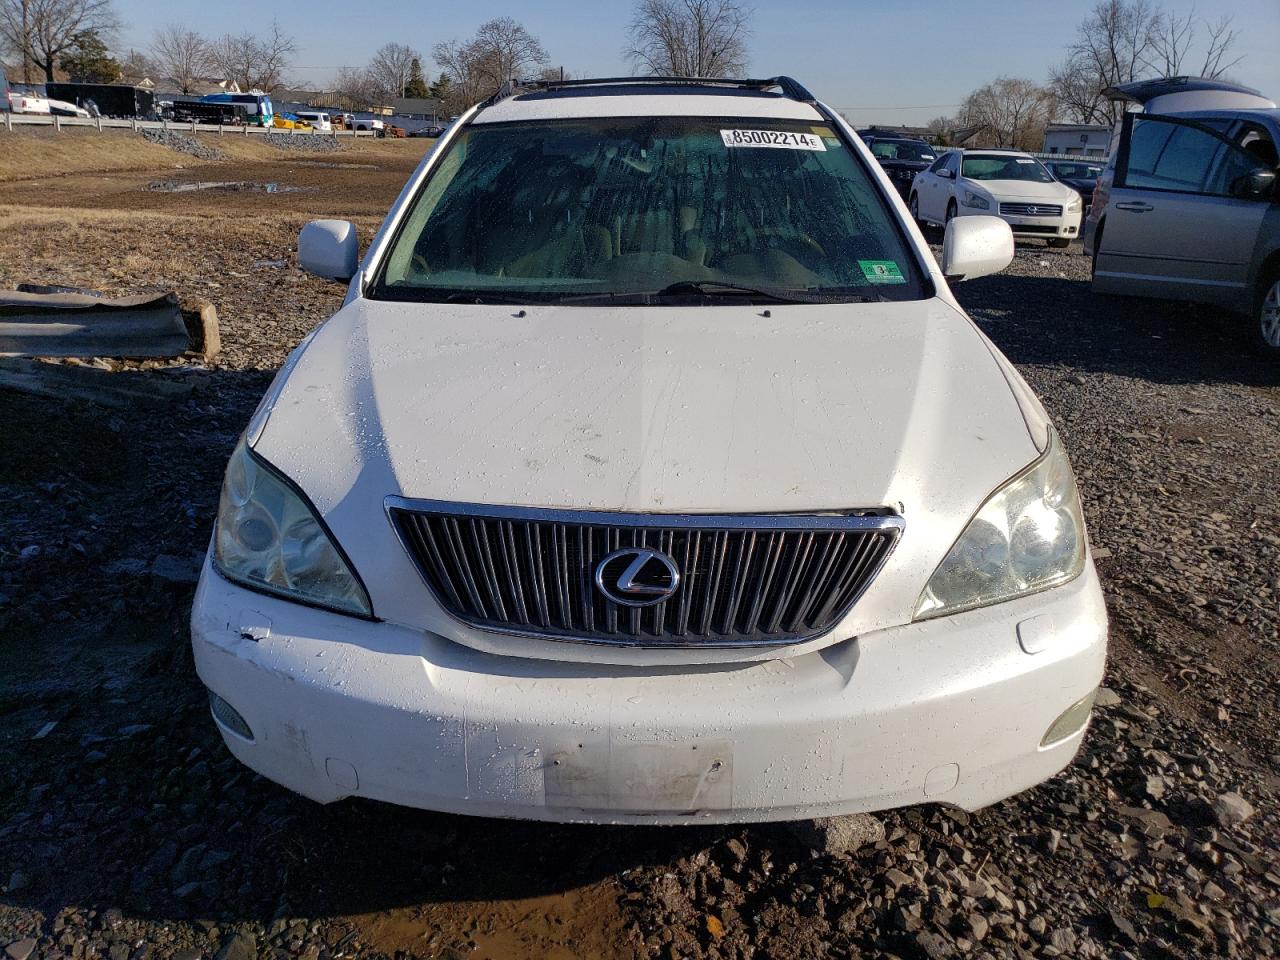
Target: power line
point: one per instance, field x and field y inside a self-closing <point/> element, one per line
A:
<point x="917" y="106"/>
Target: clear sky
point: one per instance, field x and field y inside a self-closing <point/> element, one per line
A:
<point x="902" y="61"/>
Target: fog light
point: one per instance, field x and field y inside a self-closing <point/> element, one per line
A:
<point x="229" y="717"/>
<point x="1071" y="722"/>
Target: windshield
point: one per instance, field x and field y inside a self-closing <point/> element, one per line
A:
<point x="903" y="150"/>
<point x="992" y="166"/>
<point x="1076" y="171"/>
<point x="621" y="210"/>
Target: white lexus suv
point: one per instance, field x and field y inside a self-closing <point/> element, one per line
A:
<point x="651" y="473"/>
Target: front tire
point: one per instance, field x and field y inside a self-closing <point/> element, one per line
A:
<point x="1060" y="243"/>
<point x="951" y="212"/>
<point x="1266" y="314"/>
<point x="914" y="206"/>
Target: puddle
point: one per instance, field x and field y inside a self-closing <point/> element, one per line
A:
<point x="175" y="186"/>
<point x="331" y="165"/>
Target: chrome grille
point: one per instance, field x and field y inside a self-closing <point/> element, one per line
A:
<point x="1031" y="209"/>
<point x="743" y="580"/>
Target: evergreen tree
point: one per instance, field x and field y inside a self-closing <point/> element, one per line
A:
<point x="89" y="61"/>
<point x="417" y="85"/>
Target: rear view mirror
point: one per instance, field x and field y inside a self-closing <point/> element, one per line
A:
<point x="328" y="248"/>
<point x="976" y="246"/>
<point x="1254" y="185"/>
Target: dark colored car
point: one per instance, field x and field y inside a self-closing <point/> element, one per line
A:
<point x="1079" y="175"/>
<point x="435" y="130"/>
<point x="902" y="158"/>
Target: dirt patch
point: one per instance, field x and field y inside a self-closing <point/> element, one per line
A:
<point x="38" y="153"/>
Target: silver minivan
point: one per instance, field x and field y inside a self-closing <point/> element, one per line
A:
<point x="1188" y="206"/>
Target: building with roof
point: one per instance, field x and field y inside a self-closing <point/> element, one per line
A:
<point x="1080" y="139"/>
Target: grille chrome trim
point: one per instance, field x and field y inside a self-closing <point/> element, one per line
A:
<point x="1031" y="209"/>
<point x="537" y="568"/>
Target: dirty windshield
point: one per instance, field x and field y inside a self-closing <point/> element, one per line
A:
<point x="994" y="166"/>
<point x="641" y="210"/>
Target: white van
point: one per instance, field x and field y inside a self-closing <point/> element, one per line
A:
<point x="318" y="120"/>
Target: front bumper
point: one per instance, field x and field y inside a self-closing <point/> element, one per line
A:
<point x="1065" y="226"/>
<point x="950" y="711"/>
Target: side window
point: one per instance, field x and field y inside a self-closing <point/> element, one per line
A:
<point x="1257" y="141"/>
<point x="940" y="163"/>
<point x="953" y="162"/>
<point x="1168" y="155"/>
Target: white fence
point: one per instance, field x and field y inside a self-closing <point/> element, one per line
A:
<point x="16" y="120"/>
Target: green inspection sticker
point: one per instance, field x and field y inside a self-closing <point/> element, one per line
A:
<point x="881" y="271"/>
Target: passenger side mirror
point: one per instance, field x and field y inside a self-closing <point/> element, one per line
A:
<point x="328" y="248"/>
<point x="1254" y="185"/>
<point x="976" y="246"/>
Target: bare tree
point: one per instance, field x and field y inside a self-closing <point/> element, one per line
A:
<point x="1114" y="44"/>
<point x="355" y="89"/>
<point x="276" y="51"/>
<point x="1222" y="39"/>
<point x="690" y="38"/>
<point x="1125" y="40"/>
<point x="941" y="129"/>
<point x="1171" y="39"/>
<point x="253" y="63"/>
<point x="136" y="65"/>
<point x="459" y="67"/>
<point x="392" y="68"/>
<point x="182" y="54"/>
<point x="501" y="50"/>
<point x="40" y="31"/>
<point x="1012" y="111"/>
<point x="504" y="50"/>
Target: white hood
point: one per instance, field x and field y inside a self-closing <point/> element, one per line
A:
<point x="1054" y="192"/>
<point x="717" y="409"/>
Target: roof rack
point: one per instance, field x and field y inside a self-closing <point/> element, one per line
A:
<point x="789" y="87"/>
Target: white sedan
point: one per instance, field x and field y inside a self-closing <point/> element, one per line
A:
<point x="1013" y="186"/>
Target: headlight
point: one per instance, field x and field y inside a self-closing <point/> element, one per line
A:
<point x="1028" y="536"/>
<point x="972" y="199"/>
<point x="1075" y="204"/>
<point x="268" y="538"/>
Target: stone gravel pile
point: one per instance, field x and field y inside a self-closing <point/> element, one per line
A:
<point x="191" y="145"/>
<point x="303" y="142"/>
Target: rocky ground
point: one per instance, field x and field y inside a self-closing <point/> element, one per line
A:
<point x="128" y="832"/>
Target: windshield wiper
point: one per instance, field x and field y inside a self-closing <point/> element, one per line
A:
<point x="480" y="297"/>
<point x="717" y="288"/>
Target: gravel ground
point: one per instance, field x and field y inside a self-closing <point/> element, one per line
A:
<point x="128" y="832"/>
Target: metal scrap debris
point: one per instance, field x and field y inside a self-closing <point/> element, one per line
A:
<point x="38" y="321"/>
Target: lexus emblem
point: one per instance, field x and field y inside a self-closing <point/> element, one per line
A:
<point x="637" y="577"/>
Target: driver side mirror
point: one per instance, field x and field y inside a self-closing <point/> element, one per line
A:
<point x="975" y="247"/>
<point x="328" y="249"/>
<point x="946" y="174"/>
<point x="1254" y="185"/>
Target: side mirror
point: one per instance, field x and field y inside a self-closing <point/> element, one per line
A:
<point x="976" y="246"/>
<point x="1254" y="185"/>
<point x="328" y="248"/>
<point x="946" y="174"/>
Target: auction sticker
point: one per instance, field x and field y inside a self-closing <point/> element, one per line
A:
<point x="775" y="139"/>
<point x="881" y="271"/>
